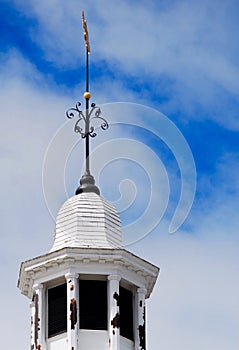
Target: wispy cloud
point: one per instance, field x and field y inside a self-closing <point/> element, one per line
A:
<point x="188" y="43"/>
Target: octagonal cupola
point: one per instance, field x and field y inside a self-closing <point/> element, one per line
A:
<point x="87" y="220"/>
<point x="88" y="292"/>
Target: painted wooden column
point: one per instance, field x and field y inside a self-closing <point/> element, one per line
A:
<point x="114" y="315"/>
<point x="140" y="341"/>
<point x="72" y="310"/>
<point x="38" y="324"/>
<point x="32" y="309"/>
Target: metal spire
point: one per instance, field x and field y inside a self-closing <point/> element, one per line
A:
<point x="87" y="130"/>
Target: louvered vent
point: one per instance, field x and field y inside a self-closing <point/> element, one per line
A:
<point x="57" y="310"/>
<point x="93" y="304"/>
<point x="126" y="313"/>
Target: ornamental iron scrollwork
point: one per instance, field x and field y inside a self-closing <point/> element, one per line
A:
<point x="93" y="113"/>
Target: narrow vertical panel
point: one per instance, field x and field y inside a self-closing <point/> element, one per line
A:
<point x="126" y="313"/>
<point x="93" y="304"/>
<point x="57" y="310"/>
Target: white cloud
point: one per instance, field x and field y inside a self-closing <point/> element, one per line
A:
<point x="195" y="301"/>
<point x="189" y="43"/>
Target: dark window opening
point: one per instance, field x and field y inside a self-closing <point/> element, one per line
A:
<point x="126" y="313"/>
<point x="93" y="304"/>
<point x="57" y="310"/>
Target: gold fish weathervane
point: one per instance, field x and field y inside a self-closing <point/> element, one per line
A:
<point x="86" y="35"/>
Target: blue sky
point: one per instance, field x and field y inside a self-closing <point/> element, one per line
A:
<point x="177" y="57"/>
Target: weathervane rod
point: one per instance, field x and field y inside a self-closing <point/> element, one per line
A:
<point x="87" y="95"/>
<point x="87" y="182"/>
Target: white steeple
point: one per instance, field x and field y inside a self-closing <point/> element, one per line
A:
<point x="87" y="293"/>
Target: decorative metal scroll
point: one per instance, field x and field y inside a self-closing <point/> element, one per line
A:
<point x="93" y="113"/>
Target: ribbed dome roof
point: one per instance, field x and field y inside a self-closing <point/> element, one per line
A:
<point x="87" y="220"/>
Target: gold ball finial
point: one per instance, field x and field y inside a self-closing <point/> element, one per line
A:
<point x="87" y="95"/>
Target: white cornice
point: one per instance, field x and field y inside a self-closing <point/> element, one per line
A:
<point x="87" y="260"/>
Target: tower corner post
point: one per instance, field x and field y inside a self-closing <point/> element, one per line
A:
<point x="72" y="310"/>
<point x="140" y="333"/>
<point x="114" y="315"/>
<point x="38" y="319"/>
